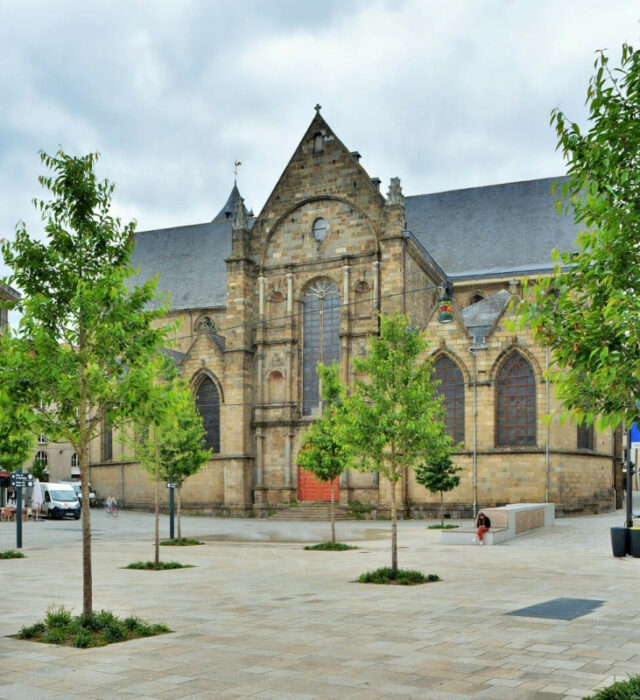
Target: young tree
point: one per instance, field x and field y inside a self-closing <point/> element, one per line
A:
<point x="439" y="475"/>
<point x="323" y="453"/>
<point x="394" y="418"/>
<point x="182" y="443"/>
<point x="588" y="310"/>
<point x="83" y="335"/>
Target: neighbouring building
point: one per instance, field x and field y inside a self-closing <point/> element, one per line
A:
<point x="262" y="299"/>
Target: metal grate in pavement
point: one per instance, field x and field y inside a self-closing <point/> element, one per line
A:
<point x="560" y="608"/>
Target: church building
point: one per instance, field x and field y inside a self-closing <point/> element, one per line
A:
<point x="261" y="299"/>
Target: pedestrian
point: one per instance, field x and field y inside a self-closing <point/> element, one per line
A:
<point x="483" y="523"/>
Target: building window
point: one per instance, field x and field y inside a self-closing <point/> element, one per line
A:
<point x="107" y="441"/>
<point x="42" y="439"/>
<point x="321" y="327"/>
<point x="318" y="143"/>
<point x="452" y="388"/>
<point x="42" y="457"/>
<point x="208" y="405"/>
<point x="516" y="403"/>
<point x="585" y="437"/>
<point x="320" y="229"/>
<point x="74" y="461"/>
<point x="205" y="325"/>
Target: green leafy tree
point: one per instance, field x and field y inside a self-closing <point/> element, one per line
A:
<point x="181" y="447"/>
<point x="323" y="453"/>
<point x="83" y="336"/>
<point x="394" y="418"/>
<point x="17" y="432"/>
<point x="588" y="310"/>
<point x="439" y="475"/>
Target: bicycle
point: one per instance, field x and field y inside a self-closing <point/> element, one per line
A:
<point x="111" y="507"/>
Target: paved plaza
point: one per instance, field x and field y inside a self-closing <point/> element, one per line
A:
<point x="260" y="617"/>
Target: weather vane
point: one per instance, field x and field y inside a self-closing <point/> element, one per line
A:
<point x="236" y="163"/>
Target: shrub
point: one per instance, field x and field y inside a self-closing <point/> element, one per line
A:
<point x="403" y="577"/>
<point x="622" y="690"/>
<point x="160" y="566"/>
<point x="330" y="547"/>
<point x="58" y="617"/>
<point x="84" y="631"/>
<point x="184" y="542"/>
<point x="442" y="527"/>
<point x="11" y="554"/>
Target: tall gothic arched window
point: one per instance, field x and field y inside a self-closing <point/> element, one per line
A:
<point x="452" y="388"/>
<point x="321" y="328"/>
<point x="208" y="405"/>
<point x="516" y="403"/>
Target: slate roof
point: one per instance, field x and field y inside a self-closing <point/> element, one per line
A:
<point x="480" y="231"/>
<point x="190" y="260"/>
<point x="229" y="208"/>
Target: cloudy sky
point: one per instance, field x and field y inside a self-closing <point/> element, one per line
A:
<point x="445" y="94"/>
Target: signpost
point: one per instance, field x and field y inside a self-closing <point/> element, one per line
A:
<point x="18" y="481"/>
<point x="172" y="487"/>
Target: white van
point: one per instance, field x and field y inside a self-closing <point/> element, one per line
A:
<point x="59" y="499"/>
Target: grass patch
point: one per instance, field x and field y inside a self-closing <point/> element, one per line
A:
<point x="622" y="690"/>
<point x="330" y="547"/>
<point x="11" y="554"/>
<point x="442" y="527"/>
<point x="160" y="566"/>
<point x="184" y="542"/>
<point x="400" y="577"/>
<point x="83" y="631"/>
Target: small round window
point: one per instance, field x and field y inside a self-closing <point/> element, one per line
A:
<point x="320" y="229"/>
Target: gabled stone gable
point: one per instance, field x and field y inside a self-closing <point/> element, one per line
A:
<point x="332" y="173"/>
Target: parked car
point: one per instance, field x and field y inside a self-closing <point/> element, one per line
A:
<point x="77" y="485"/>
<point x="59" y="499"/>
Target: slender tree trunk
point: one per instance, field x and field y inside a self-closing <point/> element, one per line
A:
<point x="157" y="504"/>
<point x="87" y="579"/>
<point x="441" y="509"/>
<point x="394" y="515"/>
<point x="333" y="523"/>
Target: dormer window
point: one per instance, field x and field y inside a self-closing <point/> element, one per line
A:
<point x="318" y="143"/>
<point x="320" y="229"/>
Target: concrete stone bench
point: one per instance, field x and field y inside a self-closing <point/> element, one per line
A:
<point x="506" y="522"/>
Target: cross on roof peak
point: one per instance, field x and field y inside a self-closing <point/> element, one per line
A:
<point x="318" y="107"/>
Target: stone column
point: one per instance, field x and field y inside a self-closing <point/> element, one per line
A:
<point x="346" y="270"/>
<point x="260" y="380"/>
<point x="289" y="377"/>
<point x="261" y="280"/>
<point x="376" y="288"/>
<point x="259" y="458"/>
<point x="290" y="292"/>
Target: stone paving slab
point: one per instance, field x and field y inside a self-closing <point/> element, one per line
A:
<point x="259" y="617"/>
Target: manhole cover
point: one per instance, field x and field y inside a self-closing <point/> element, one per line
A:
<point x="560" y="608"/>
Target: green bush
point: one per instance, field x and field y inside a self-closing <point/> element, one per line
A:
<point x="160" y="566"/>
<point x="330" y="547"/>
<point x="403" y="577"/>
<point x="11" y="554"/>
<point x="184" y="542"/>
<point x="622" y="690"/>
<point x="85" y="631"/>
<point x="58" y="617"/>
<point x="442" y="527"/>
<point x="84" y="639"/>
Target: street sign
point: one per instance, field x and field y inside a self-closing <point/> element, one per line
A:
<point x="19" y="480"/>
<point x="634" y="437"/>
<point x="171" y="486"/>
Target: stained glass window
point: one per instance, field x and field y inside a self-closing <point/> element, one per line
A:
<point x="107" y="441"/>
<point x="208" y="405"/>
<point x="452" y="388"/>
<point x="516" y="403"/>
<point x="321" y="328"/>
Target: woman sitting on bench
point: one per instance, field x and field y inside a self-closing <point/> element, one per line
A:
<point x="483" y="523"/>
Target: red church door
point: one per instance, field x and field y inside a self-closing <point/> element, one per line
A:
<point x="310" y="488"/>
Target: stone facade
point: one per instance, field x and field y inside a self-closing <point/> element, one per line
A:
<point x="328" y="237"/>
